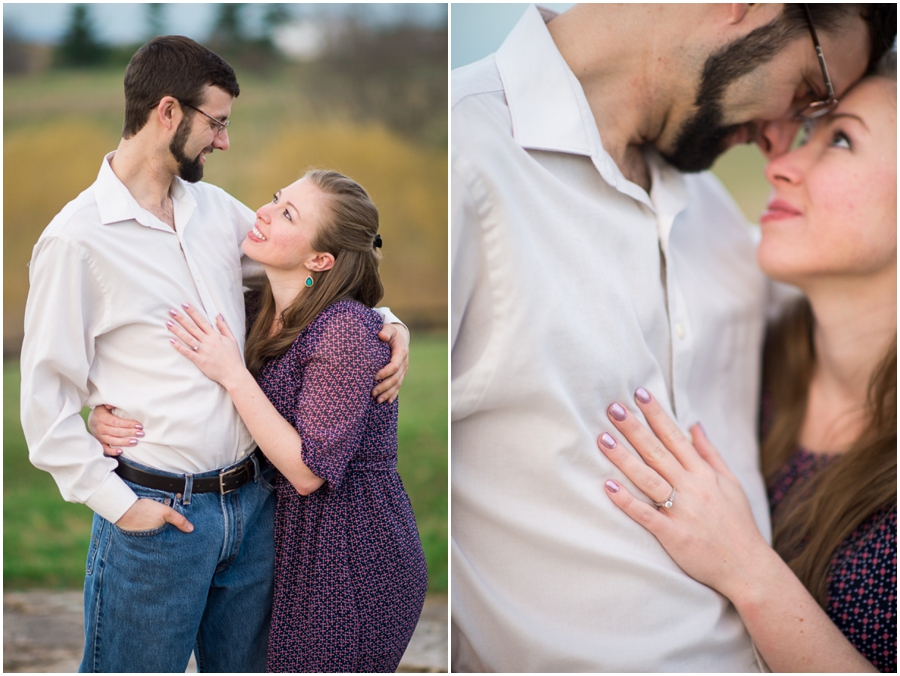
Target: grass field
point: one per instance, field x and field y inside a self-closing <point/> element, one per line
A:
<point x="45" y="539"/>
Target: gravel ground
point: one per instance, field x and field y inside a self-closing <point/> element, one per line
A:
<point x="43" y="632"/>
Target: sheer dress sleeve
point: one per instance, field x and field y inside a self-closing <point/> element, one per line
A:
<point x="334" y="400"/>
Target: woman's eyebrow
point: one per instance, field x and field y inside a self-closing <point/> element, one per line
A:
<point x="290" y="204"/>
<point x="834" y="116"/>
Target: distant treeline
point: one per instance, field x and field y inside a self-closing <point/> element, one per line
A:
<point x="392" y="74"/>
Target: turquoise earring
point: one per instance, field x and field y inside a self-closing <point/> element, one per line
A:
<point x="309" y="280"/>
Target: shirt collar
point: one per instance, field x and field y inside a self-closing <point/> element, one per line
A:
<point x="546" y="103"/>
<point x="549" y="110"/>
<point x="115" y="202"/>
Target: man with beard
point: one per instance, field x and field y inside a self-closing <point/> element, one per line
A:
<point x="181" y="555"/>
<point x="585" y="264"/>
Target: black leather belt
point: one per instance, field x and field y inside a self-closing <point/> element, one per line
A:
<point x="228" y="480"/>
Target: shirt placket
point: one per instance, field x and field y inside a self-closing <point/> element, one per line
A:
<point x="681" y="334"/>
<point x="183" y="214"/>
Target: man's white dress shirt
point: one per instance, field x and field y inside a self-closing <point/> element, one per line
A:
<point x="572" y="287"/>
<point x="103" y="276"/>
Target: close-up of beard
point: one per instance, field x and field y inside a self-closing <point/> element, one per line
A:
<point x="702" y="137"/>
<point x="190" y="170"/>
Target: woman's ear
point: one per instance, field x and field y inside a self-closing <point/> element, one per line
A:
<point x="320" y="262"/>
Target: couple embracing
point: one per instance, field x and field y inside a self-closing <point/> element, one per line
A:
<point x="608" y="296"/>
<point x="247" y="504"/>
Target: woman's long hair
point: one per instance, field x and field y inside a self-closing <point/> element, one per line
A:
<point x="348" y="234"/>
<point x="815" y="517"/>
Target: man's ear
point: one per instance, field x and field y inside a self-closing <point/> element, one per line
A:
<point x="738" y="11"/>
<point x="168" y="111"/>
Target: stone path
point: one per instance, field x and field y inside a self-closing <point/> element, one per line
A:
<point x="43" y="632"/>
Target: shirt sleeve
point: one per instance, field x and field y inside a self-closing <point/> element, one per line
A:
<point x="471" y="300"/>
<point x="243" y="218"/>
<point x="63" y="316"/>
<point x="388" y="317"/>
<point x="334" y="401"/>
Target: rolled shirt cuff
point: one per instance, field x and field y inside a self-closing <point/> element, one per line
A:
<point x="389" y="317"/>
<point x="112" y="499"/>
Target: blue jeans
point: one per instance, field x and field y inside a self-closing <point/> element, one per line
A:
<point x="152" y="597"/>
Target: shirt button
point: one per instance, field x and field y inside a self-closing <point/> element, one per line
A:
<point x="679" y="331"/>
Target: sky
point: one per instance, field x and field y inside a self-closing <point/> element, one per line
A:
<point x="125" y="23"/>
<point x="478" y="29"/>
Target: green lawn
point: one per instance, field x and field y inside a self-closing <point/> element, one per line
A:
<point x="45" y="539"/>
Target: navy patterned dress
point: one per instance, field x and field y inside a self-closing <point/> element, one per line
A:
<point x="862" y="578"/>
<point x="350" y="575"/>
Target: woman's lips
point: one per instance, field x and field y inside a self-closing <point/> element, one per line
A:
<point x="256" y="236"/>
<point x="779" y="210"/>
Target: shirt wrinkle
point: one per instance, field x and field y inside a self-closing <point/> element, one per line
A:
<point x="110" y="334"/>
<point x="569" y="291"/>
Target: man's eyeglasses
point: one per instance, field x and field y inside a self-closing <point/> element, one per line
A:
<point x="818" y="108"/>
<point x="220" y="126"/>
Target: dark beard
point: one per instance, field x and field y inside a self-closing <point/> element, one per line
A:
<point x="189" y="170"/>
<point x="701" y="140"/>
<point x="702" y="137"/>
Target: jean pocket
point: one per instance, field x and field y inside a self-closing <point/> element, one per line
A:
<point x="267" y="478"/>
<point x="96" y="537"/>
<point x="163" y="498"/>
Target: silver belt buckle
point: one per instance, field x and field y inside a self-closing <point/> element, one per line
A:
<point x="224" y="473"/>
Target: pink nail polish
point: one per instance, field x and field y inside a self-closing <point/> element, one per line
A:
<point x="118" y="451"/>
<point x="139" y="434"/>
<point x="617" y="412"/>
<point x="607" y="440"/>
<point x="642" y="395"/>
<point x="139" y="426"/>
<point x="173" y="313"/>
<point x="132" y="442"/>
<point x="169" y="324"/>
<point x="612" y="486"/>
<point x="186" y="306"/>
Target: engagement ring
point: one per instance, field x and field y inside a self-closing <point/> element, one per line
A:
<point x="668" y="502"/>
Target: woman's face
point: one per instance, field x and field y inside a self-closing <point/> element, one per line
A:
<point x="285" y="228"/>
<point x="832" y="212"/>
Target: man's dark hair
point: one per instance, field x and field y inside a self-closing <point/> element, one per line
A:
<point x="701" y="139"/>
<point x="880" y="18"/>
<point x="171" y="65"/>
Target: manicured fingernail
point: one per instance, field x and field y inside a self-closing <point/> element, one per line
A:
<point x="186" y="306"/>
<point x="173" y="313"/>
<point x="139" y="434"/>
<point x="612" y="486"/>
<point x="139" y="426"/>
<point x="642" y="395"/>
<point x="169" y="324"/>
<point x="617" y="412"/>
<point x="118" y="451"/>
<point x="607" y="440"/>
<point x="221" y="317"/>
<point x="132" y="442"/>
<point x="172" y="340"/>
